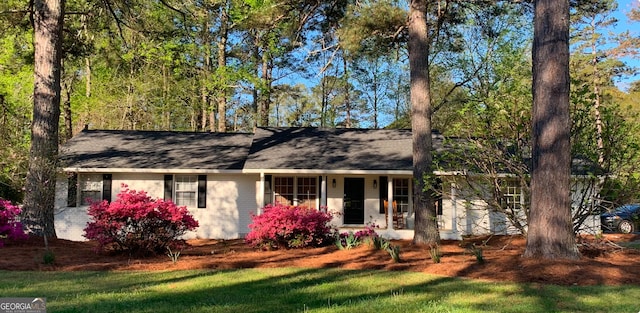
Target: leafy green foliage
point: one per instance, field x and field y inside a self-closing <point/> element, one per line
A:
<point x="349" y="240"/>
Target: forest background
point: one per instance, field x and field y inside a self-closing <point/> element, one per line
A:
<point x="229" y="66"/>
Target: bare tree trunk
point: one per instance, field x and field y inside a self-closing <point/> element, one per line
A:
<point x="550" y="233"/>
<point x="87" y="60"/>
<point x="426" y="227"/>
<point x="68" y="123"/>
<point x="375" y="95"/>
<point x="347" y="99"/>
<point x="596" y="93"/>
<point x="256" y="95"/>
<point x="265" y="94"/>
<point x="204" y="98"/>
<point x="206" y="70"/>
<point x="222" y="64"/>
<point x="166" y="115"/>
<point x="87" y="74"/>
<point x="324" y="100"/>
<point x="40" y="184"/>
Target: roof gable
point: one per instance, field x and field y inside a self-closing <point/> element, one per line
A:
<point x="330" y="149"/>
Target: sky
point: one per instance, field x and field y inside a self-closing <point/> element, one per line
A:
<point x="624" y="6"/>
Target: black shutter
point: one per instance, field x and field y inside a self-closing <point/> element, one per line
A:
<point x="106" y="187"/>
<point x="202" y="191"/>
<point x="384" y="191"/>
<point x="168" y="187"/>
<point x="72" y="190"/>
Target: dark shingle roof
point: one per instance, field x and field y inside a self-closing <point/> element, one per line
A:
<point x="156" y="150"/>
<point x="330" y="149"/>
<point x="271" y="149"/>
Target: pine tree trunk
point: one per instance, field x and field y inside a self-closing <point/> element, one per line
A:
<point x="265" y="94"/>
<point x="426" y="227"/>
<point x="347" y="96"/>
<point x="550" y="234"/>
<point x="66" y="110"/>
<point x="596" y="93"/>
<point x="41" y="179"/>
<point x="222" y="64"/>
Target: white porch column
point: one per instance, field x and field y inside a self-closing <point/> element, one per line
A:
<point x="260" y="194"/>
<point x="323" y="192"/>
<point x="389" y="202"/>
<point x="454" y="204"/>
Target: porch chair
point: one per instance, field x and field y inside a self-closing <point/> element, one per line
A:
<point x="386" y="213"/>
<point x="398" y="217"/>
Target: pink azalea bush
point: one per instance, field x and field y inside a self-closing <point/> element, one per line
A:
<point x="137" y="223"/>
<point x="9" y="227"/>
<point x="283" y="226"/>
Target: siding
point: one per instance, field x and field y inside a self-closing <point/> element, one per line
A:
<point x="230" y="199"/>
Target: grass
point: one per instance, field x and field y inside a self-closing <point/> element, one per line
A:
<point x="303" y="290"/>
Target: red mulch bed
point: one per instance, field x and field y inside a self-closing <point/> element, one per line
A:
<point x="604" y="262"/>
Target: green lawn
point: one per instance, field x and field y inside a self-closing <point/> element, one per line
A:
<point x="303" y="290"/>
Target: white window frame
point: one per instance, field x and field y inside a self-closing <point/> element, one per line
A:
<point x="185" y="190"/>
<point x="403" y="206"/>
<point x="512" y="195"/>
<point x="295" y="197"/>
<point x="301" y="197"/>
<point x="90" y="188"/>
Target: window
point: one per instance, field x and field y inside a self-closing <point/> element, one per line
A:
<point x="401" y="193"/>
<point x="90" y="188"/>
<point x="186" y="190"/>
<point x="302" y="191"/>
<point x="512" y="195"/>
<point x="307" y="190"/>
<point x="283" y="190"/>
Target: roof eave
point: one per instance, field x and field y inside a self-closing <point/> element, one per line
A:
<point x="325" y="171"/>
<point x="150" y="170"/>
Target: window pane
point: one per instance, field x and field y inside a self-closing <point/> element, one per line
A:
<point x="283" y="189"/>
<point x="401" y="193"/>
<point x="186" y="198"/>
<point x="87" y="197"/>
<point x="90" y="188"/>
<point x="186" y="188"/>
<point x="512" y="197"/>
<point x="307" y="191"/>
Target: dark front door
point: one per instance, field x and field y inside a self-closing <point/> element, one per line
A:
<point x="353" y="201"/>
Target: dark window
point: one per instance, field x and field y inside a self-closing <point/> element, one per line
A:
<point x="106" y="187"/>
